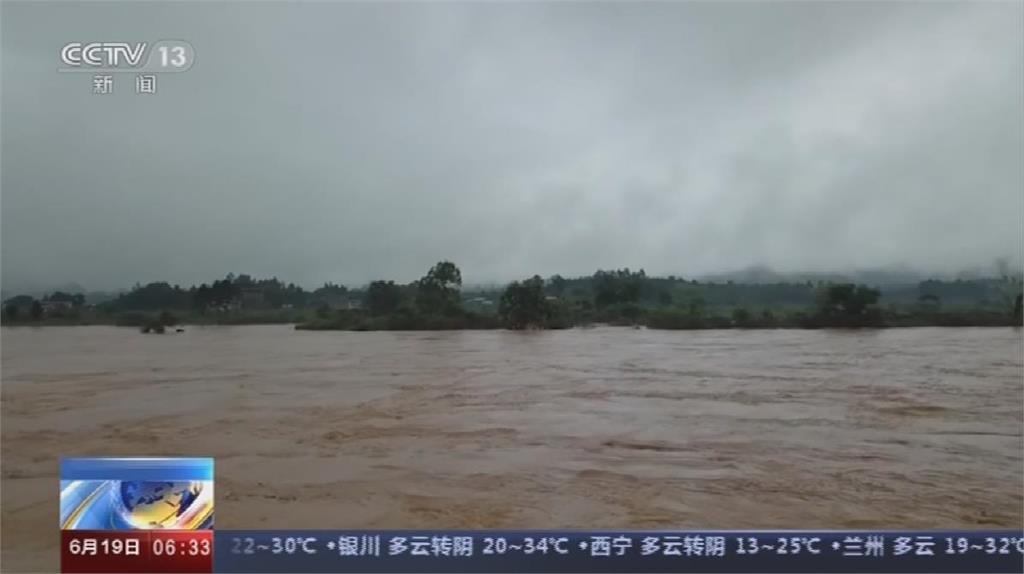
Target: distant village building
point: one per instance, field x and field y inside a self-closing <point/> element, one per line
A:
<point x="335" y="301"/>
<point x="479" y="302"/>
<point x="224" y="307"/>
<point x="56" y="306"/>
<point x="252" y="298"/>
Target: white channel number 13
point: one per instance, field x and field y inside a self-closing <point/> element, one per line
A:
<point x="173" y="56"/>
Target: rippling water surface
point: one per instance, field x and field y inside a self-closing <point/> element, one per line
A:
<point x="600" y="428"/>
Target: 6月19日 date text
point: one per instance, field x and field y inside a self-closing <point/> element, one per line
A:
<point x="136" y="551"/>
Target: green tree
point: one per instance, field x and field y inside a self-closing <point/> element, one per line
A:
<point x="523" y="304"/>
<point x="741" y="317"/>
<point x="696" y="307"/>
<point x="617" y="287"/>
<point x="929" y="302"/>
<point x="383" y="297"/>
<point x="438" y="291"/>
<point x="37" y="310"/>
<point x="273" y="292"/>
<point x="152" y="297"/>
<point x="330" y="289"/>
<point x="21" y="301"/>
<point x="557" y="285"/>
<point x="665" y="298"/>
<point x="11" y="312"/>
<point x="847" y="300"/>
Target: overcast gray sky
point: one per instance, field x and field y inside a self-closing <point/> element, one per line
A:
<point x="347" y="142"/>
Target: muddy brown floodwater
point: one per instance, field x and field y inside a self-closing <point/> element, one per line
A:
<point x="597" y="428"/>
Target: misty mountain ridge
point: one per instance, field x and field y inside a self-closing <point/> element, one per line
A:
<point x="894" y="275"/>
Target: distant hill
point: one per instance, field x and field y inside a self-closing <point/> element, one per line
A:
<point x="879" y="277"/>
<point x="71" y="287"/>
<point x="36" y="290"/>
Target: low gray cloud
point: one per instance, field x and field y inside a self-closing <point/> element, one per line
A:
<point x="346" y="141"/>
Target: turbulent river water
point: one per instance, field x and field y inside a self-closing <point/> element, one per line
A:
<point x="597" y="428"/>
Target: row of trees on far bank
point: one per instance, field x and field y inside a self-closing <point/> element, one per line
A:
<point x="438" y="300"/>
<point x="28" y="307"/>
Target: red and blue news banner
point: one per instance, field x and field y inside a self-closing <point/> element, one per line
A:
<point x="145" y="514"/>
<point x="156" y="515"/>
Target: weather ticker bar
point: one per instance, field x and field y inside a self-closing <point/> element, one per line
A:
<point x="396" y="551"/>
<point x="617" y="551"/>
<point x="156" y="514"/>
